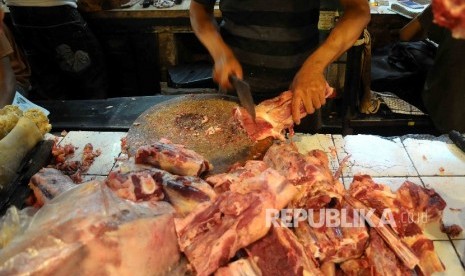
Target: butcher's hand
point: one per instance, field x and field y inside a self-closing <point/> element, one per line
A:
<point x="226" y="65"/>
<point x="310" y="90"/>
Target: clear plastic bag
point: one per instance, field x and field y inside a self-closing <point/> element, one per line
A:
<point x="88" y="230"/>
<point x="14" y="223"/>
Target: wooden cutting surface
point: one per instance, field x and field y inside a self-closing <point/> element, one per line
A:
<point x="203" y="123"/>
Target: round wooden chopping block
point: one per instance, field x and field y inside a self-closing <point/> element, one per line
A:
<point x="203" y="123"/>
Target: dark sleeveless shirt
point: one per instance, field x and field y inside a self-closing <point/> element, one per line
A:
<point x="270" y="38"/>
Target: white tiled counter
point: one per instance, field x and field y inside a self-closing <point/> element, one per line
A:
<point x="428" y="161"/>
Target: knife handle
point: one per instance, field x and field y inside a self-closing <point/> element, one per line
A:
<point x="232" y="78"/>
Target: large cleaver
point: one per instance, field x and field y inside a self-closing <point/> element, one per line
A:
<point x="245" y="96"/>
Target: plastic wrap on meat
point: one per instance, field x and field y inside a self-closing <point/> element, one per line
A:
<point x="173" y="158"/>
<point x="450" y="14"/>
<point x="211" y="234"/>
<point x="90" y="231"/>
<point x="309" y="172"/>
<point x="280" y="253"/>
<point x="49" y="183"/>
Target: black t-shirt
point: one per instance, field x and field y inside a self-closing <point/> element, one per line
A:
<point x="270" y="38"/>
<point x="444" y="91"/>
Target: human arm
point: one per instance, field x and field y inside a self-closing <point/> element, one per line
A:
<point x="206" y="29"/>
<point x="7" y="76"/>
<point x="418" y="27"/>
<point x="309" y="85"/>
<point x="7" y="82"/>
<point x="412" y="31"/>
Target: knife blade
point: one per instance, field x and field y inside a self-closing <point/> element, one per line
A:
<point x="245" y="96"/>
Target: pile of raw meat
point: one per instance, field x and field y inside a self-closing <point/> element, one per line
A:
<point x="160" y="212"/>
<point x="219" y="224"/>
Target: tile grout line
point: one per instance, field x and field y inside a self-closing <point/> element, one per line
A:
<point x="350" y="174"/>
<point x="116" y="161"/>
<point x="456" y="252"/>
<point x="343" y="177"/>
<point x="411" y="160"/>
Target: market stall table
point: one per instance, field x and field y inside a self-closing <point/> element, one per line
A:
<point x="434" y="162"/>
<point x="113" y="114"/>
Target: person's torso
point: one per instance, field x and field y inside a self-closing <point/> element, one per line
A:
<point x="41" y="3"/>
<point x="271" y="39"/>
<point x="444" y="93"/>
<point x="18" y="62"/>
